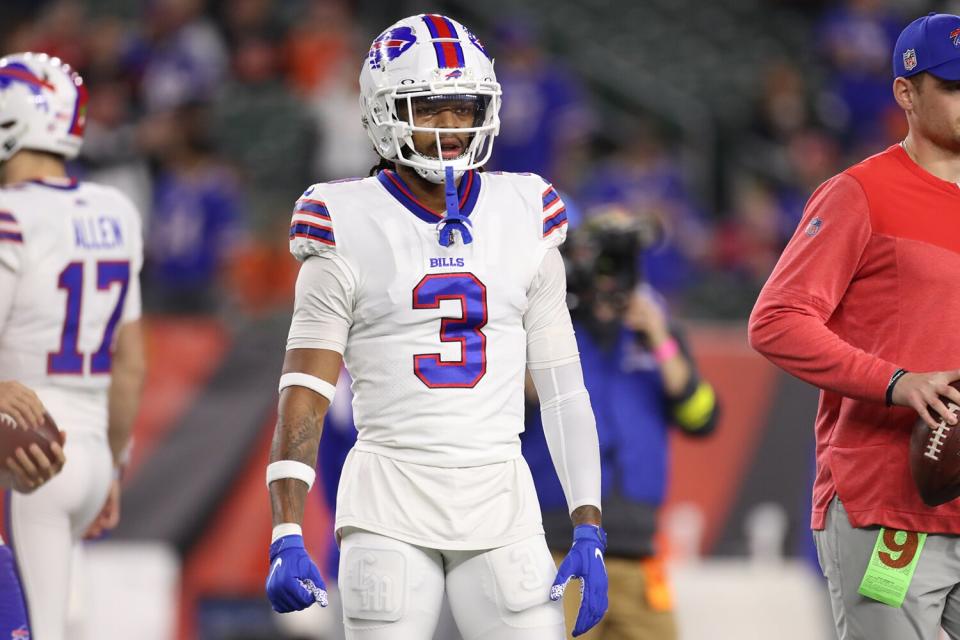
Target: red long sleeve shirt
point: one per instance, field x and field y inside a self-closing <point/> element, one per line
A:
<point x="866" y="286"/>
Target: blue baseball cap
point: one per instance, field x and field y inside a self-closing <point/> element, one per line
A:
<point x="931" y="44"/>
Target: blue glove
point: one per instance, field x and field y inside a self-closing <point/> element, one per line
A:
<point x="294" y="583"/>
<point x="585" y="561"/>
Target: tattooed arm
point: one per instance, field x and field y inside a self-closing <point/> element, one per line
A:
<point x="299" y="424"/>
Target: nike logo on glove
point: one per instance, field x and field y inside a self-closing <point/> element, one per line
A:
<point x="273" y="569"/>
<point x="599" y="554"/>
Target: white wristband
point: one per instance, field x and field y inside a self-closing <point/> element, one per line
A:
<point x="285" y="529"/>
<point x="291" y="469"/>
<point x="313" y="383"/>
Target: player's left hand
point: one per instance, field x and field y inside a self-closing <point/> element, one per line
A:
<point x="109" y="516"/>
<point x="294" y="582"/>
<point x="585" y="562"/>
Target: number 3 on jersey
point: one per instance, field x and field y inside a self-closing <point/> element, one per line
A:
<point x="69" y="360"/>
<point x="466" y="329"/>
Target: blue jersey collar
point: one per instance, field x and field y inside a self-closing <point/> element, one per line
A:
<point x="468" y="190"/>
<point x="66" y="184"/>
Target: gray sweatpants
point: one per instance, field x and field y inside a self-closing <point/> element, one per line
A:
<point x="932" y="601"/>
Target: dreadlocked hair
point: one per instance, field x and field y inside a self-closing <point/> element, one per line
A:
<point x="383" y="165"/>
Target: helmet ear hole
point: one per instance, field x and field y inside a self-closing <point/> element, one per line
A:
<point x="8" y="124"/>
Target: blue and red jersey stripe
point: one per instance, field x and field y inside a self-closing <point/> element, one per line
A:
<point x="556" y="218"/>
<point x="549" y="196"/>
<point x="312" y="232"/>
<point x="316" y="207"/>
<point x="449" y="52"/>
<point x="555" y="221"/>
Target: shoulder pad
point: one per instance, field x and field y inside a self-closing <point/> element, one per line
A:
<point x="554" y="215"/>
<point x="311" y="227"/>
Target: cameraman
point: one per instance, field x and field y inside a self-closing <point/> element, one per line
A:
<point x="641" y="379"/>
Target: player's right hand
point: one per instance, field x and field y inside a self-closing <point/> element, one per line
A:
<point x="22" y="403"/>
<point x="30" y="468"/>
<point x="294" y="582"/>
<point x="922" y="390"/>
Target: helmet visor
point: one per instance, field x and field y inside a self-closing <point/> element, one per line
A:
<point x="443" y="110"/>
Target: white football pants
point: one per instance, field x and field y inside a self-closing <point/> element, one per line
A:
<point x="43" y="527"/>
<point x="391" y="589"/>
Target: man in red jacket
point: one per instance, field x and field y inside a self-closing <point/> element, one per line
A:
<point x="862" y="304"/>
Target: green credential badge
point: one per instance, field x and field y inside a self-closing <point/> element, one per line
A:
<point x="892" y="563"/>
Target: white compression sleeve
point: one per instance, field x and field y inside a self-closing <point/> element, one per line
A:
<point x="550" y="338"/>
<point x="571" y="432"/>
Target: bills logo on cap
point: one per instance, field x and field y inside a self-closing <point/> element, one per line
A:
<point x="391" y="45"/>
<point x="910" y="59"/>
<point x="955" y="37"/>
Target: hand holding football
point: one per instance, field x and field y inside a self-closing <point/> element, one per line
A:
<point x="935" y="459"/>
<point x="14" y="435"/>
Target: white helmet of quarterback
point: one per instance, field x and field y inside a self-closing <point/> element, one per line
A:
<point x="428" y="56"/>
<point x="43" y="105"/>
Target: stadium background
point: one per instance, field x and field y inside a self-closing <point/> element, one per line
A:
<point x="715" y="118"/>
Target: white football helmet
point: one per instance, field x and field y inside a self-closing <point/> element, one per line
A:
<point x="427" y="55"/>
<point x="43" y="105"/>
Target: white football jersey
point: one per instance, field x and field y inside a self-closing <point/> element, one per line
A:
<point x="436" y="346"/>
<point x="436" y="341"/>
<point x="70" y="260"/>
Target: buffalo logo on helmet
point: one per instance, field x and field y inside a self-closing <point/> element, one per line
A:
<point x="453" y="75"/>
<point x="910" y="59"/>
<point x="391" y="44"/>
<point x="16" y="72"/>
<point x="476" y="42"/>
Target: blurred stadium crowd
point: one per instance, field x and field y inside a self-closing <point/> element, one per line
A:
<point x="215" y="114"/>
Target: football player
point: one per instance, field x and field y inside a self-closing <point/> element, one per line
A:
<point x="438" y="285"/>
<point x="70" y="257"/>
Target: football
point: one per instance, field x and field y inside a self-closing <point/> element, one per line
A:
<point x="14" y="435"/>
<point x="935" y="459"/>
